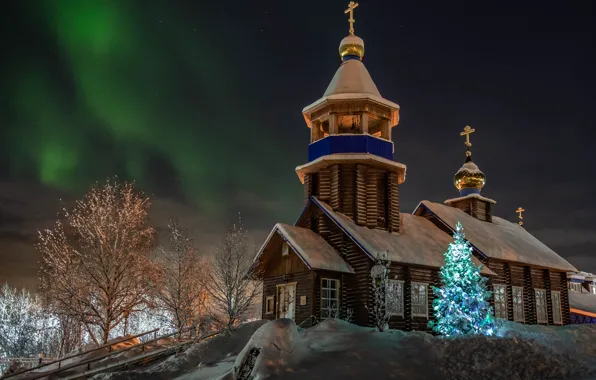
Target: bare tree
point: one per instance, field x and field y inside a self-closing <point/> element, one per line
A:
<point x="231" y="282"/>
<point x="179" y="289"/>
<point x="95" y="260"/>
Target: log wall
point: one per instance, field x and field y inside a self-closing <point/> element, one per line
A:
<point x="304" y="287"/>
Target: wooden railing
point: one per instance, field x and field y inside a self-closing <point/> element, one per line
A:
<point x="59" y="361"/>
<point x="143" y="358"/>
<point x="89" y="361"/>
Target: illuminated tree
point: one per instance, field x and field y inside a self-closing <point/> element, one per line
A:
<point x="231" y="284"/>
<point x="95" y="265"/>
<point x="179" y="289"/>
<point x="462" y="304"/>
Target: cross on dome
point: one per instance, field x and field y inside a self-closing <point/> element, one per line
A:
<point x="467" y="132"/>
<point x="351" y="6"/>
<point x="520" y="216"/>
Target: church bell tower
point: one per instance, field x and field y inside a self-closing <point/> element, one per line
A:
<point x="350" y="156"/>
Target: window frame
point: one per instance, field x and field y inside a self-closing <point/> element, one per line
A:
<point x="544" y="306"/>
<point x="574" y="285"/>
<point x="329" y="309"/>
<point x="285" y="248"/>
<point x="412" y="285"/>
<point x="401" y="297"/>
<point x="267" y="299"/>
<point x="503" y="304"/>
<point x="559" y="309"/>
<point x="521" y="304"/>
<point x="592" y="288"/>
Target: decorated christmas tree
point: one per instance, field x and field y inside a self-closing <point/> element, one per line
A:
<point x="461" y="305"/>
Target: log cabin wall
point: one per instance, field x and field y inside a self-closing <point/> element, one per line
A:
<point x="409" y="274"/>
<point x="304" y="287"/>
<point x="558" y="282"/>
<point x="529" y="297"/>
<point x="477" y="208"/>
<point x="368" y="195"/>
<point x="356" y="288"/>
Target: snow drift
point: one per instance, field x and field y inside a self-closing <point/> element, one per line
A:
<point x="335" y="349"/>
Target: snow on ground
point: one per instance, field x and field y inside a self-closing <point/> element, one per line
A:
<point x="335" y="349"/>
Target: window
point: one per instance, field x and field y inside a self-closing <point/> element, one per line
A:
<point x="419" y="300"/>
<point x="518" y="303"/>
<point x="500" y="292"/>
<point x="541" y="311"/>
<point x="329" y="298"/>
<point x="394" y="297"/>
<point x="593" y="289"/>
<point x="269" y="305"/>
<point x="285" y="249"/>
<point x="556" y="300"/>
<point x="575" y="287"/>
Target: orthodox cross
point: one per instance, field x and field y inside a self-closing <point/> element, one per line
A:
<point x="351" y="20"/>
<point x="520" y="216"/>
<point x="467" y="132"/>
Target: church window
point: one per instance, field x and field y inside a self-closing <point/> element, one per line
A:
<point x="419" y="300"/>
<point x="556" y="301"/>
<point x="500" y="292"/>
<point x="593" y="289"/>
<point x="269" y="305"/>
<point x="575" y="287"/>
<point x="329" y="298"/>
<point x="394" y="297"/>
<point x="541" y="311"/>
<point x="518" y="303"/>
<point x="285" y="249"/>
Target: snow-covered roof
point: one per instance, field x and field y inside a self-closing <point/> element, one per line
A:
<point x="500" y="239"/>
<point x="419" y="242"/>
<point x="582" y="302"/>
<point x="470" y="167"/>
<point x="352" y="77"/>
<point x="352" y="82"/>
<point x="312" y="249"/>
<point x="473" y="195"/>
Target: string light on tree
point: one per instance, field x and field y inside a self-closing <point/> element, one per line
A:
<point x="461" y="305"/>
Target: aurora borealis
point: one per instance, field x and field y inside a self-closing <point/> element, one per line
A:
<point x="135" y="90"/>
<point x="200" y="103"/>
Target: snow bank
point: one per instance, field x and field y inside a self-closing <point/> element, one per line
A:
<point x="206" y="360"/>
<point x="335" y="349"/>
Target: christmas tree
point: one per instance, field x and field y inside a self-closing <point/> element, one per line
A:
<point x="461" y="305"/>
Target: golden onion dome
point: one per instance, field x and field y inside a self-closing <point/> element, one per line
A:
<point x="351" y="47"/>
<point x="469" y="177"/>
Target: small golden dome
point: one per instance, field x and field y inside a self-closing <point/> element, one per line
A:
<point x="351" y="46"/>
<point x="469" y="176"/>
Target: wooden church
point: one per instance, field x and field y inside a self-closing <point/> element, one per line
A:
<point x="320" y="267"/>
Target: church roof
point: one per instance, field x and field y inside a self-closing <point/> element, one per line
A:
<point x="352" y="82"/>
<point x="582" y="303"/>
<point x="420" y="242"/>
<point x="312" y="249"/>
<point x="500" y="239"/>
<point x="352" y="77"/>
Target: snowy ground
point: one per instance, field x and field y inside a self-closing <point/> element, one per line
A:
<point x="338" y="350"/>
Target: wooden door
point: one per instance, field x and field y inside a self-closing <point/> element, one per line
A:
<point x="286" y="307"/>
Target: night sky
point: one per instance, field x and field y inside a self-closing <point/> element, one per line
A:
<point x="200" y="103"/>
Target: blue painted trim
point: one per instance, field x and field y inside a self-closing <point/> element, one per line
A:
<point x="464" y="192"/>
<point x="303" y="211"/>
<point x="348" y="143"/>
<point x="453" y="231"/>
<point x="348" y="57"/>
<point x="576" y="280"/>
<point x="342" y="228"/>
